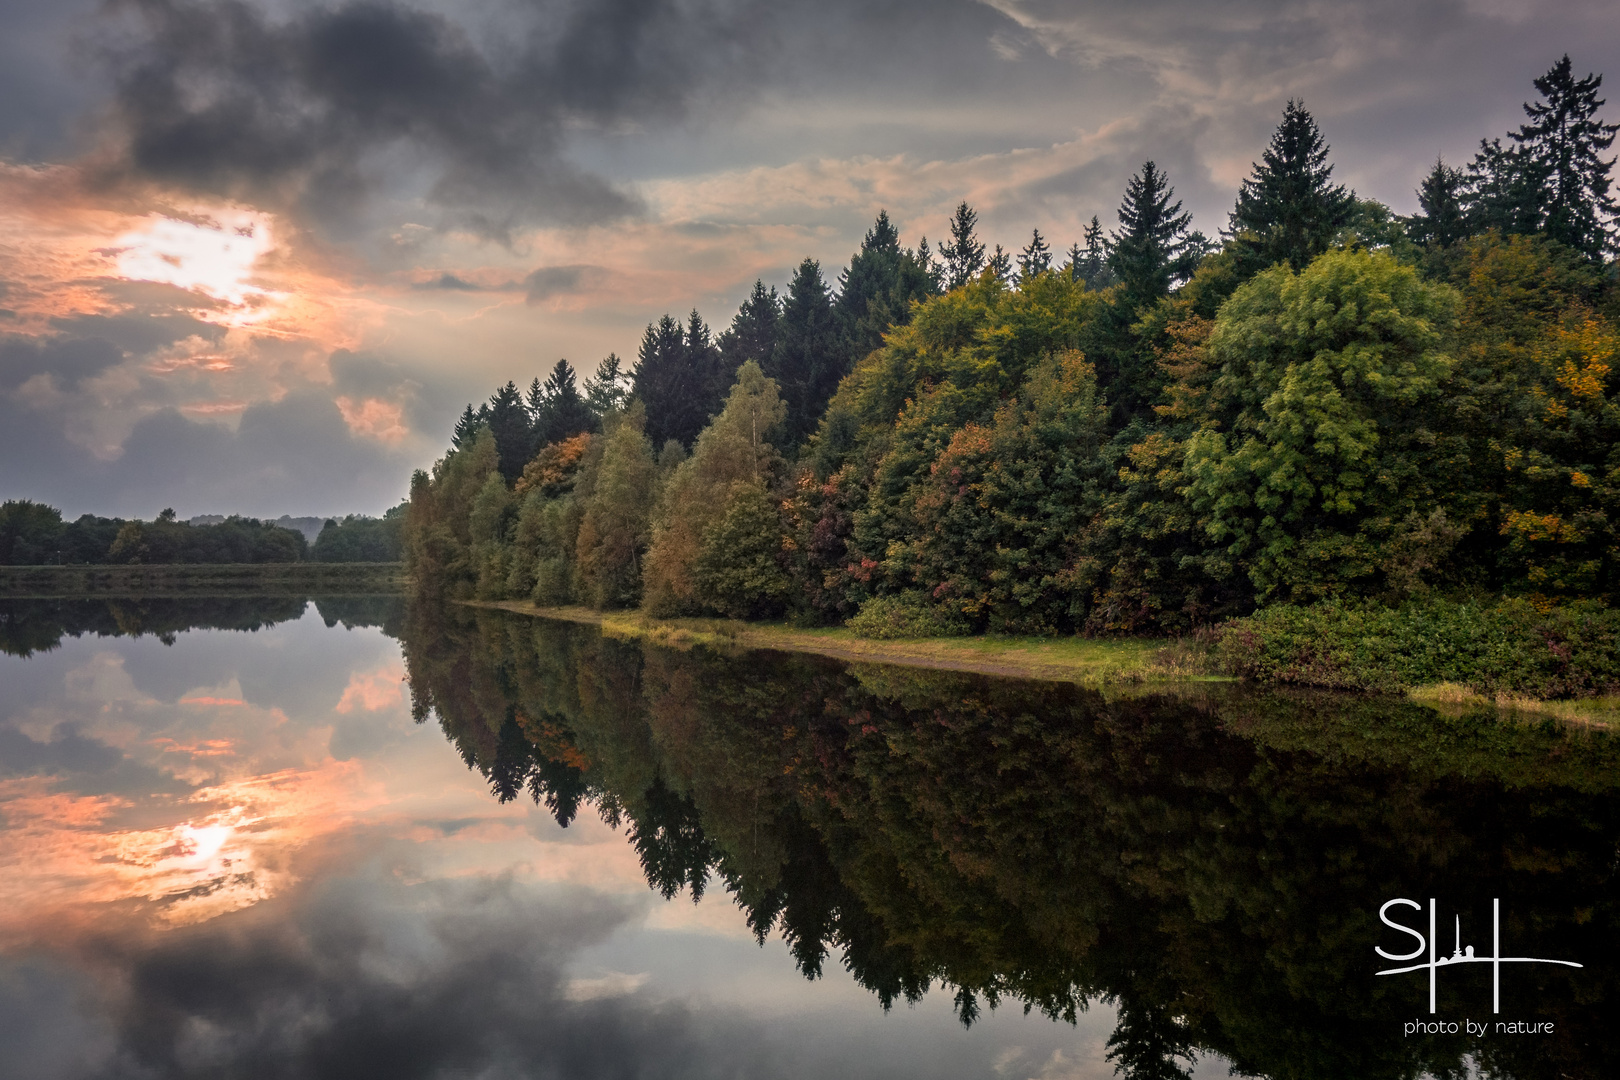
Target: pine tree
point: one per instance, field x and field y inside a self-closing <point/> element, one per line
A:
<point x="810" y="356"/>
<point x="1076" y="265"/>
<point x="964" y="255"/>
<point x="1095" y="270"/>
<point x="752" y="335"/>
<point x="607" y="392"/>
<point x="1000" y="264"/>
<point x="509" y="422"/>
<point x="1289" y="209"/>
<point x="1036" y="258"/>
<point x="1143" y="255"/>
<point x="466" y="429"/>
<point x="876" y="290"/>
<point x="678" y="378"/>
<point x="1505" y="187"/>
<point x="562" y="412"/>
<point x="1441" y="220"/>
<point x="1566" y="143"/>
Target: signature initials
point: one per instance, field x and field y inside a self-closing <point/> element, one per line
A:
<point x="1459" y="955"/>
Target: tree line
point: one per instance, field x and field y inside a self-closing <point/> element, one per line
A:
<point x="1331" y="401"/>
<point x="34" y="534"/>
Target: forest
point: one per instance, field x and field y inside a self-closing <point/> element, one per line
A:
<point x="34" y="534"/>
<point x="1150" y="433"/>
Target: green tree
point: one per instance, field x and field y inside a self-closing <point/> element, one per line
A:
<point x="28" y="532"/>
<point x="1144" y="255"/>
<point x="878" y="287"/>
<point x="1036" y="258"/>
<point x="1313" y="469"/>
<point x="1442" y="219"/>
<point x="753" y="330"/>
<point x="1289" y="209"/>
<point x="615" y="528"/>
<point x="560" y="411"/>
<point x="680" y="379"/>
<point x="608" y="391"/>
<point x="964" y="255"/>
<point x="1565" y="141"/>
<point x="733" y="457"/>
<point x="508" y="421"/>
<point x="810" y="357"/>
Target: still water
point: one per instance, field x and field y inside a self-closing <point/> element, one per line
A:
<point x="360" y="838"/>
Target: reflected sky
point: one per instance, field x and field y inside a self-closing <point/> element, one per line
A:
<point x="238" y="856"/>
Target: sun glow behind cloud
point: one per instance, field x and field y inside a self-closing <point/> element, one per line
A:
<point x="215" y="256"/>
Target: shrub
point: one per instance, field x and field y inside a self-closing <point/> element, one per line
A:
<point x="907" y="615"/>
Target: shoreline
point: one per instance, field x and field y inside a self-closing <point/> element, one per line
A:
<point x="1092" y="662"/>
<point x="197" y="579"/>
<point x="1087" y="661"/>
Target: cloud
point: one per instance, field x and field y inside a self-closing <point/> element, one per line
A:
<point x="313" y="111"/>
<point x="549" y="281"/>
<point x="67" y="359"/>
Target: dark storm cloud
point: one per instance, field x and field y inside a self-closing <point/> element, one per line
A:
<point x="293" y="456"/>
<point x="549" y="281"/>
<point x="68" y="359"/>
<point x="220" y="98"/>
<point x="368" y="977"/>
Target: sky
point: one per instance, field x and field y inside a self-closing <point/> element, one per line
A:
<point x="256" y="255"/>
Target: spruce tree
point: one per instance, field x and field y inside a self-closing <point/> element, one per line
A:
<point x="1565" y="142"/>
<point x="1095" y="270"/>
<point x="562" y="412"/>
<point x="876" y="290"/>
<point x="1442" y="219"/>
<point x="663" y="381"/>
<point x="1036" y="258"/>
<point x="466" y="429"/>
<point x="607" y="392"/>
<point x="752" y="334"/>
<point x="810" y="356"/>
<point x="509" y="422"/>
<point x="1000" y="264"/>
<point x="1289" y="209"/>
<point x="964" y="255"/>
<point x="1144" y="254"/>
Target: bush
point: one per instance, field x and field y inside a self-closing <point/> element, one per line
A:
<point x="1508" y="647"/>
<point x="908" y="615"/>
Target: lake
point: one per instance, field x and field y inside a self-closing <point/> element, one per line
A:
<point x="360" y="837"/>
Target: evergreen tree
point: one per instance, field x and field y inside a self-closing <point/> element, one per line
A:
<point x="1566" y="142"/>
<point x="1094" y="267"/>
<point x="678" y="378"/>
<point x="1504" y="187"/>
<point x="876" y="291"/>
<point x="1076" y="265"/>
<point x="466" y="429"/>
<point x="1144" y="254"/>
<point x="1289" y="210"/>
<point x="1036" y="258"/>
<point x="1441" y="220"/>
<point x="607" y="392"/>
<point x="560" y="411"/>
<point x="810" y="356"/>
<point x="964" y="255"/>
<point x="930" y="266"/>
<point x="752" y="335"/>
<point x="1000" y="264"/>
<point x="509" y="422"/>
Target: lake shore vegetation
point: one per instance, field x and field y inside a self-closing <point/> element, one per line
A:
<point x="1338" y="447"/>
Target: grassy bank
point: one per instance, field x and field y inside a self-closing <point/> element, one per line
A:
<point x="214" y="579"/>
<point x="1091" y="661"/>
<point x="1559" y="665"/>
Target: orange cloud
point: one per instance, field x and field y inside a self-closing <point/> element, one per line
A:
<point x="372" y="690"/>
<point x="374" y="418"/>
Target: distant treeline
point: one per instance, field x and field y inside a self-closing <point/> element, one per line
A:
<point x="34" y="534"/>
<point x="1333" y="402"/>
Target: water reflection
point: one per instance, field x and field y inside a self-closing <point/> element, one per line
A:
<point x="227" y="849"/>
<point x="1213" y="863"/>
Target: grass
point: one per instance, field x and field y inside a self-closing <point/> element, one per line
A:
<point x="1090" y="661"/>
<point x="1087" y="661"/>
